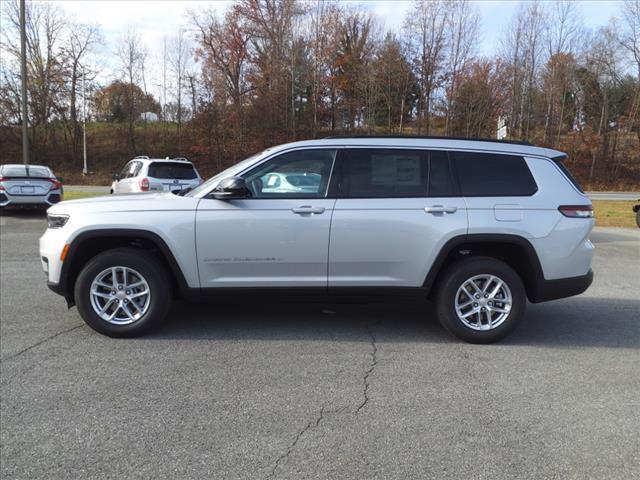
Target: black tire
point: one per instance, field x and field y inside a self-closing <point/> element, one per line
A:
<point x="153" y="272"/>
<point x="638" y="218"/>
<point x="453" y="279"/>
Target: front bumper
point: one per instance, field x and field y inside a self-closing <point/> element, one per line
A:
<point x="546" y="290"/>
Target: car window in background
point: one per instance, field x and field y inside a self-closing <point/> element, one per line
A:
<point x="124" y="173"/>
<point x="182" y="171"/>
<point x="25" y="171"/>
<point x="378" y="173"/>
<point x="490" y="175"/>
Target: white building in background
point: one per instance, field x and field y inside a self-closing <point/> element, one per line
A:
<point x="149" y="116"/>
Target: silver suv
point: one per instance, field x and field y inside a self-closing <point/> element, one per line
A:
<point x="144" y="174"/>
<point x="478" y="227"/>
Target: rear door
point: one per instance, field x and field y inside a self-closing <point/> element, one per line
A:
<point x="277" y="238"/>
<point x="395" y="211"/>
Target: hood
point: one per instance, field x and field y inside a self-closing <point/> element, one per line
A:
<point x="131" y="202"/>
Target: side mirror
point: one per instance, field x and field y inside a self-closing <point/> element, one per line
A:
<point x="115" y="176"/>
<point x="231" y="188"/>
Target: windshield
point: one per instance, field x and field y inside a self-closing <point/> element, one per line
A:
<point x="225" y="173"/>
<point x="24" y="171"/>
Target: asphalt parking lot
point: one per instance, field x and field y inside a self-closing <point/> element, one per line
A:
<point x="319" y="391"/>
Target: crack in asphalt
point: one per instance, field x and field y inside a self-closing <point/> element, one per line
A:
<point x="368" y="372"/>
<point x="300" y="434"/>
<point x="315" y="423"/>
<point x="37" y="344"/>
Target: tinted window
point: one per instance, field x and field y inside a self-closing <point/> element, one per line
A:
<point x="124" y="173"/>
<point x="25" y="171"/>
<point x="560" y="162"/>
<point x="440" y="179"/>
<point x="298" y="174"/>
<point x="373" y="173"/>
<point x="493" y="175"/>
<point x="181" y="171"/>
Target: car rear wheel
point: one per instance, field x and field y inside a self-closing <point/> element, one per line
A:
<point x="123" y="292"/>
<point x="480" y="300"/>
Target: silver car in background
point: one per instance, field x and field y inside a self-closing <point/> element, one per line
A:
<point x="28" y="186"/>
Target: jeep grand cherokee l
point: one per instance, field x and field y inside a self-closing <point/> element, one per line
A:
<point x="478" y="227"/>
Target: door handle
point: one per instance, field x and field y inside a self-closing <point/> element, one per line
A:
<point x="308" y="210"/>
<point x="440" y="209"/>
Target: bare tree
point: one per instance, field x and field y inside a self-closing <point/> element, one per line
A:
<point x="131" y="54"/>
<point x="179" y="56"/>
<point x="426" y="26"/>
<point x="80" y="41"/>
<point x="462" y="32"/>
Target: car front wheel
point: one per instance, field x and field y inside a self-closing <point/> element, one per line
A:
<point x="480" y="300"/>
<point x="123" y="292"/>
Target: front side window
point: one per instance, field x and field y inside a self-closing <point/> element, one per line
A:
<point x="385" y="173"/>
<point x="493" y="175"/>
<point x="298" y="174"/>
<point x="124" y="173"/>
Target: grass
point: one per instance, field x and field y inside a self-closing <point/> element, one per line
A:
<point x="611" y="213"/>
<point x="72" y="195"/>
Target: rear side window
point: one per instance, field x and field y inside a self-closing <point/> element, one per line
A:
<point x="181" y="171"/>
<point x="560" y="162"/>
<point x="377" y="173"/>
<point x="493" y="175"/>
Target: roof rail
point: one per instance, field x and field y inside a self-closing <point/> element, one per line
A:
<point x="141" y="157"/>
<point x="180" y="159"/>
<point x="432" y="137"/>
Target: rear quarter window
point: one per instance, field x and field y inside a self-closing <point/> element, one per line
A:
<point x="493" y="175"/>
<point x="560" y="162"/>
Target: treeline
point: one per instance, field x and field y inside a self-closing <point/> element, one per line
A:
<point x="270" y="71"/>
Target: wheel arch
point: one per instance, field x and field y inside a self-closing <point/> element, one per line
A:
<point x="90" y="243"/>
<point x="514" y="250"/>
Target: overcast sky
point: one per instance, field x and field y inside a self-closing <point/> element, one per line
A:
<point x="155" y="19"/>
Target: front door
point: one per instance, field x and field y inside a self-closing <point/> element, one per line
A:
<point x="279" y="237"/>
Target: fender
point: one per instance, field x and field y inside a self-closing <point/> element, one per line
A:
<point x="532" y="284"/>
<point x="64" y="287"/>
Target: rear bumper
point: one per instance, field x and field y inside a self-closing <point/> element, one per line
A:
<point x="546" y="290"/>
<point x="51" y="198"/>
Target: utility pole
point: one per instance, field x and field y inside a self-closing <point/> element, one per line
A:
<point x="23" y="73"/>
<point x="85" y="171"/>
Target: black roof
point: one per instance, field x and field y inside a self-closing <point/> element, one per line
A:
<point x="430" y="137"/>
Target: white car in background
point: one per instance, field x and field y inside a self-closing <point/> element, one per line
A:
<point x="144" y="174"/>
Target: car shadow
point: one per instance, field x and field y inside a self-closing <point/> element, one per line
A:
<point x="577" y="322"/>
<point x="24" y="213"/>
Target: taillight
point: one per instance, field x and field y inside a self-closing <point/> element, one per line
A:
<point x="55" y="184"/>
<point x="144" y="184"/>
<point x="577" y="211"/>
<point x="2" y="180"/>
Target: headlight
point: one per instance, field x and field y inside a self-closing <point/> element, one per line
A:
<point x="56" y="221"/>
